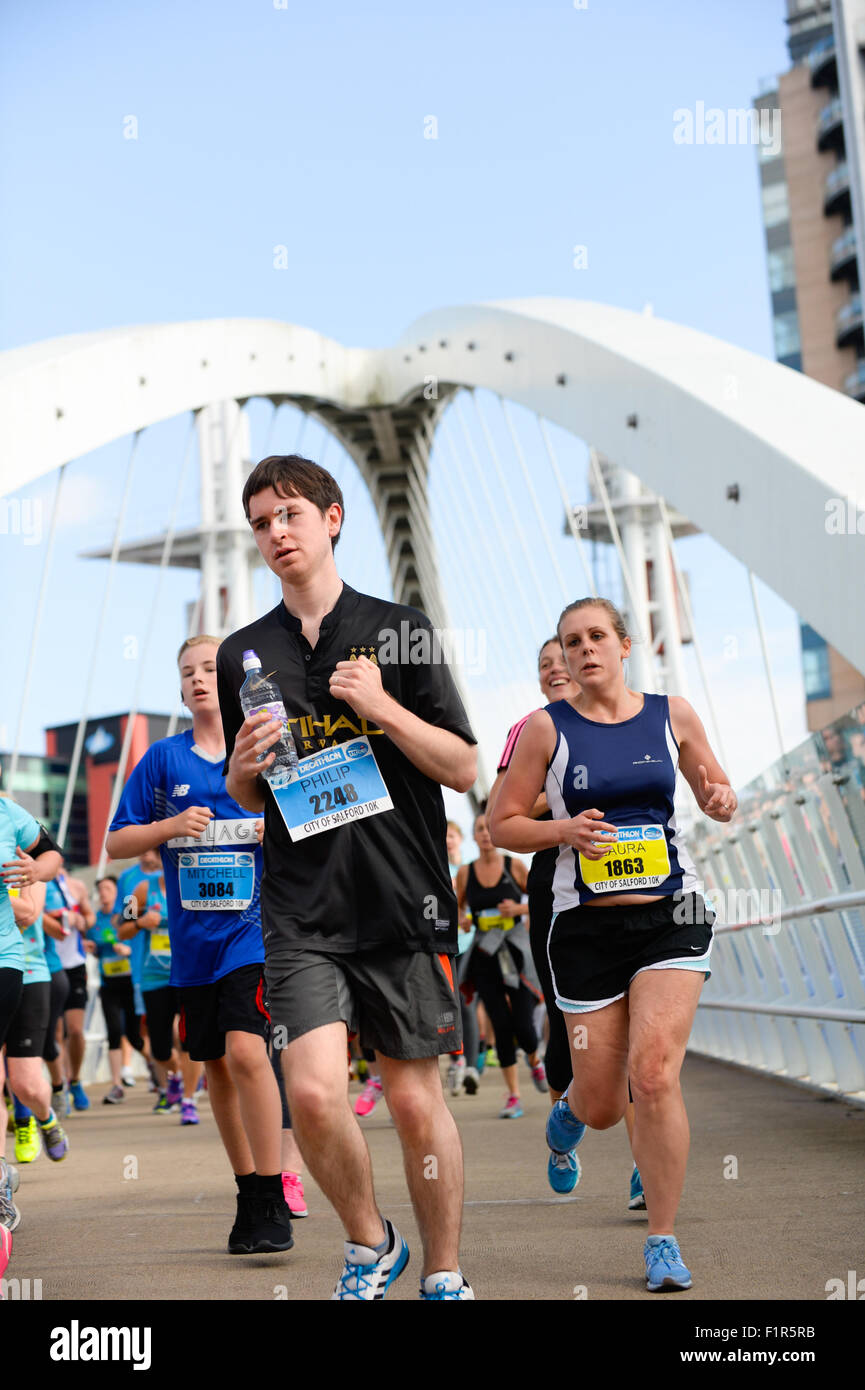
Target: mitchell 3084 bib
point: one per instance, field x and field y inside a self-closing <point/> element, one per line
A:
<point x="627" y="771"/>
<point x="216" y="872"/>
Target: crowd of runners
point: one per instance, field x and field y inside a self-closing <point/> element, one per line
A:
<point x="283" y="926"/>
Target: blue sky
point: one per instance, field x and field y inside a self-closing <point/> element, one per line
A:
<point x="303" y="126"/>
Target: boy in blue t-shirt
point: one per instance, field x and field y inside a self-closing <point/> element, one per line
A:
<point x="175" y="800"/>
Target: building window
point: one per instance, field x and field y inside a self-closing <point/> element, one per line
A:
<point x="815" y="665"/>
<point x="786" y="330"/>
<point x="782" y="273"/>
<point x="776" y="207"/>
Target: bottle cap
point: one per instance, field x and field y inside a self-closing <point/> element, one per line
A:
<point x="251" y="661"/>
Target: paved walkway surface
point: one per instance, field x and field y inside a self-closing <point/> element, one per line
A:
<point x="141" y="1208"/>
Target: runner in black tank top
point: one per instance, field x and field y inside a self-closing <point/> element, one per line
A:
<point x="500" y="966"/>
<point x="630" y="955"/>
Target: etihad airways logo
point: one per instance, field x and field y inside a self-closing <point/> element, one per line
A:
<point x="311" y="734"/>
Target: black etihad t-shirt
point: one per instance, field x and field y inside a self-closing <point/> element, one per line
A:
<point x="379" y="880"/>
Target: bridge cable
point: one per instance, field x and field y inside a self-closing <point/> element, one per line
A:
<point x="506" y="546"/>
<point x="506" y="491"/>
<point x="82" y="723"/>
<point x="566" y="502"/>
<point x="689" y="613"/>
<point x="549" y="540"/>
<point x="34" y="634"/>
<point x="167" y="546"/>
<point x="518" y="625"/>
<point x="456" y="658"/>
<point x="459" y="566"/>
<point x="767" y="667"/>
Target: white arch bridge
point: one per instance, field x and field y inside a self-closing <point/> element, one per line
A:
<point x="700" y="434"/>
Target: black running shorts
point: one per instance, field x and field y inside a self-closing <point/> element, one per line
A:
<point x="77" y="997"/>
<point x="402" y="1004"/>
<point x="233" y="1004"/>
<point x="11" y="984"/>
<point x="595" y="952"/>
<point x="29" y="1026"/>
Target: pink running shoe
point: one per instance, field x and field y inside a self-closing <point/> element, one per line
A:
<point x="292" y="1188"/>
<point x="368" y="1098"/>
<point x="539" y="1076"/>
<point x="5" y="1252"/>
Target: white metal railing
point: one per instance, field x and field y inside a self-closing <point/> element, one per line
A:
<point x="787" y="991"/>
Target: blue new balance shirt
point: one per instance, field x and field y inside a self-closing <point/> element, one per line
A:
<point x="212" y="884"/>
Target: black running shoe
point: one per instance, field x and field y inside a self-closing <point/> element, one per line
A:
<point x="263" y="1226"/>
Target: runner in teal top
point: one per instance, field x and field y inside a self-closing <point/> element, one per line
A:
<point x="18" y="830"/>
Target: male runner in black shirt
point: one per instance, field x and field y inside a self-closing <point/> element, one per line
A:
<point x="359" y="917"/>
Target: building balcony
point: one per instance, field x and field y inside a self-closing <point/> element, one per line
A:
<point x="848" y="323"/>
<point x="830" y="126"/>
<point x="836" y="190"/>
<point x="854" y="384"/>
<point x="842" y="259"/>
<point x="823" y="64"/>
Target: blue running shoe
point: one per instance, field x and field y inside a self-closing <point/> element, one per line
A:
<point x="563" y="1171"/>
<point x="368" y="1275"/>
<point x="664" y="1268"/>
<point x="564" y="1130"/>
<point x="637" y="1201"/>
<point x="447" y="1284"/>
<point x="79" y="1096"/>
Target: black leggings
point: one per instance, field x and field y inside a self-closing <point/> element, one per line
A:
<point x="11" y="985"/>
<point x="59" y="995"/>
<point x="510" y="1010"/>
<point x="118" y="1006"/>
<point x="557" y="1058"/>
<point x="160" y="1009"/>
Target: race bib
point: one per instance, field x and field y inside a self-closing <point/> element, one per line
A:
<point x="487" y="919"/>
<point x="160" y="943"/>
<point x="332" y="788"/>
<point x="120" y="966"/>
<point x="638" y="859"/>
<point x="216" y="882"/>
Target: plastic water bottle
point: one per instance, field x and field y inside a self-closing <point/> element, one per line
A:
<point x="260" y="694"/>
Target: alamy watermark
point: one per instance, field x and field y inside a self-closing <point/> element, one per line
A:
<point x="735" y="126"/>
<point x="21" y="517"/>
<point x="844" y="517"/>
<point x="734" y="906"/>
<point x="465" y="647"/>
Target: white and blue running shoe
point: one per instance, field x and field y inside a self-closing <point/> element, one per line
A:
<point x="664" y="1267"/>
<point x="368" y="1275"/>
<point x="447" y="1283"/>
<point x="564" y="1130"/>
<point x="637" y="1199"/>
<point x="563" y="1171"/>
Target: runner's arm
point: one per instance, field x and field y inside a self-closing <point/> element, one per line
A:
<point x="698" y="764"/>
<point x="443" y="756"/>
<point x="132" y="840"/>
<point x="28" y="905"/>
<point x="460" y="887"/>
<point x="52" y="925"/>
<point x="540" y="807"/>
<point x="512" y="826"/>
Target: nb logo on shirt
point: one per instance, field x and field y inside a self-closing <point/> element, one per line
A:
<point x="180" y="789"/>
